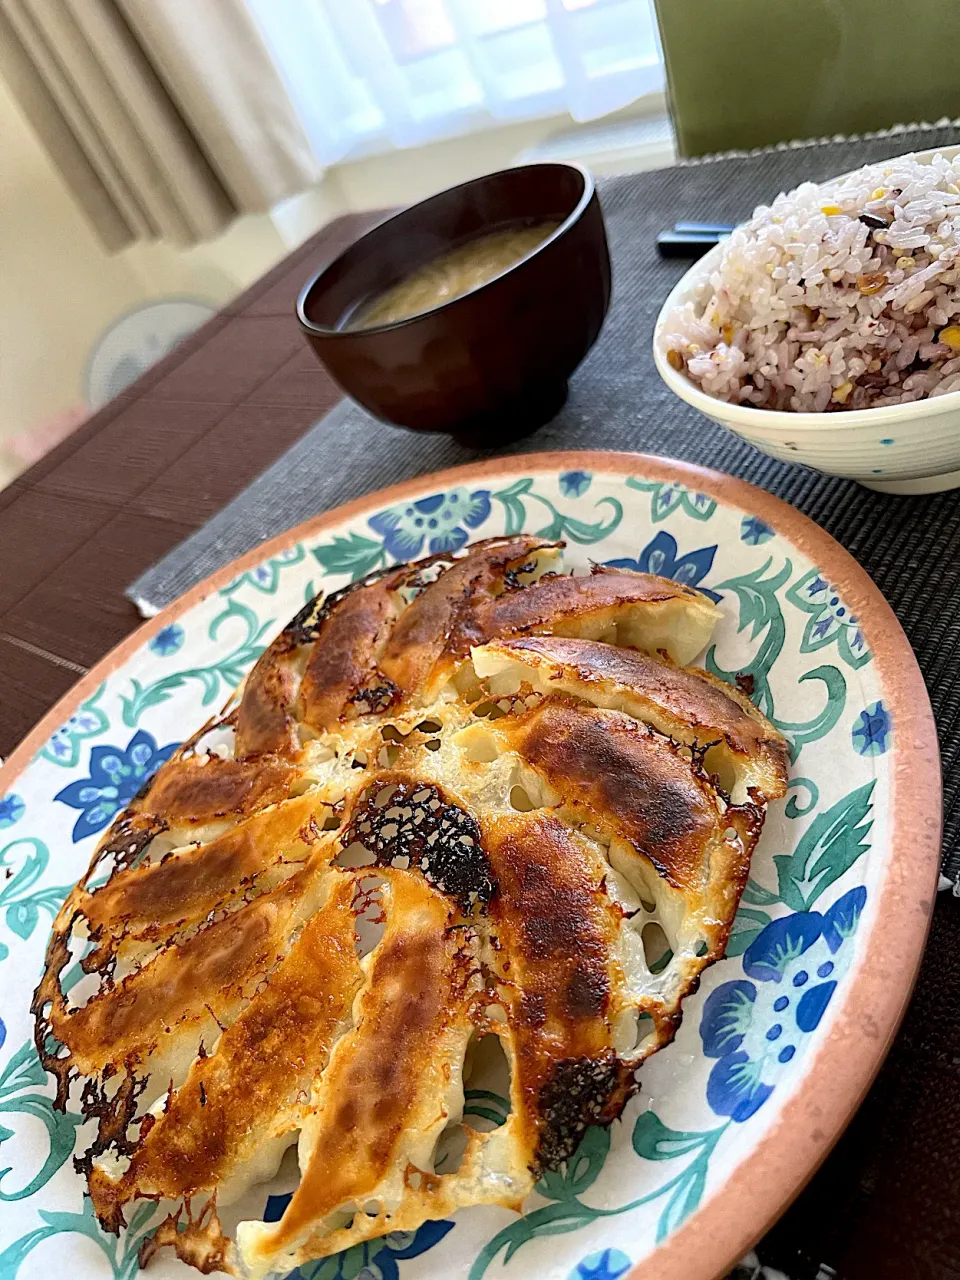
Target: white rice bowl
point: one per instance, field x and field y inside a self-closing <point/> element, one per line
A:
<point x="840" y="295"/>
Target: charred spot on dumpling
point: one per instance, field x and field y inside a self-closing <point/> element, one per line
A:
<point x="115" y="1112"/>
<point x="412" y="825"/>
<point x="304" y="626"/>
<point x="533" y="1009"/>
<point x="49" y="1050"/>
<point x="375" y="699"/>
<point x="588" y="991"/>
<point x="580" y="1093"/>
<point x="513" y="578"/>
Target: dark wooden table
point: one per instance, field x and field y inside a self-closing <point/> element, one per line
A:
<point x="181" y="442"/>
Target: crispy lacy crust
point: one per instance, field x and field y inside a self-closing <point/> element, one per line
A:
<point x="309" y="935"/>
<point x="198" y="1241"/>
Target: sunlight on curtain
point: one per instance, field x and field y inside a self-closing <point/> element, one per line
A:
<point x="367" y="74"/>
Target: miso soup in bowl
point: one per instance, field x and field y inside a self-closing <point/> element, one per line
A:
<point x="467" y="313"/>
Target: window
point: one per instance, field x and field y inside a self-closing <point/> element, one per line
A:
<point x="365" y="74"/>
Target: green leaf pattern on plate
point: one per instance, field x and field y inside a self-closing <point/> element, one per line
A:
<point x="23" y="1072"/>
<point x="667" y="498"/>
<point x="354" y="555"/>
<point x="830" y="846"/>
<point x="830" y="620"/>
<point x="120" y="1255"/>
<point x="652" y="1140"/>
<point x="525" y="507"/>
<point x="214" y="681"/>
<point x="760" y="611"/>
<point x="22" y="863"/>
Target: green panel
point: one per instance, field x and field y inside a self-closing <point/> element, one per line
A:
<point x="745" y="73"/>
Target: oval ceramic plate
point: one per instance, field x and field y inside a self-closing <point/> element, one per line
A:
<point x="782" y="1039"/>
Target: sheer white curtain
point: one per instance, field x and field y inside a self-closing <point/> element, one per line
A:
<point x="367" y="74"/>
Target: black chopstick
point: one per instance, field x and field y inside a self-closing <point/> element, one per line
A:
<point x="703" y="228"/>
<point x="691" y="239"/>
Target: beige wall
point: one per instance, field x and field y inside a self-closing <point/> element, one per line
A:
<point x="59" y="289"/>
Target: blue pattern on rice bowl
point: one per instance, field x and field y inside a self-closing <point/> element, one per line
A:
<point x="840" y="295"/>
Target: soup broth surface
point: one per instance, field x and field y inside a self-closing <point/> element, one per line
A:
<point x="452" y="274"/>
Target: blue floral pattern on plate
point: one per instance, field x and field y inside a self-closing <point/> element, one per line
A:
<point x="12" y="810"/>
<point x="64" y="744"/>
<point x="662" y="556"/>
<point x="755" y="1031"/>
<point x="754" y="531"/>
<point x="441" y="521"/>
<point x="574" y="483"/>
<point x="830" y="621"/>
<point x="265" y="577"/>
<point x="607" y="1264"/>
<point x="871" y="730"/>
<point x="116" y="775"/>
<point x="167" y="641"/>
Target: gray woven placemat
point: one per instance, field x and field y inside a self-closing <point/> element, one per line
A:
<point x="909" y="546"/>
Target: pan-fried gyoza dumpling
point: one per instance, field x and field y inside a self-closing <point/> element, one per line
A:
<point x="687" y="704"/>
<point x="468" y="806"/>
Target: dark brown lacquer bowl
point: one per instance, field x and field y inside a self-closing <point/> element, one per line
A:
<point x="493" y="364"/>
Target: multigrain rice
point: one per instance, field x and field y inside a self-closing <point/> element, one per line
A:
<point x="842" y="295"/>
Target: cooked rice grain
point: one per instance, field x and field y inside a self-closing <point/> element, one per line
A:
<point x="837" y="296"/>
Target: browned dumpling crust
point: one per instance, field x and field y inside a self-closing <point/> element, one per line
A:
<point x="445" y="813"/>
<point x="689" y="705"/>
